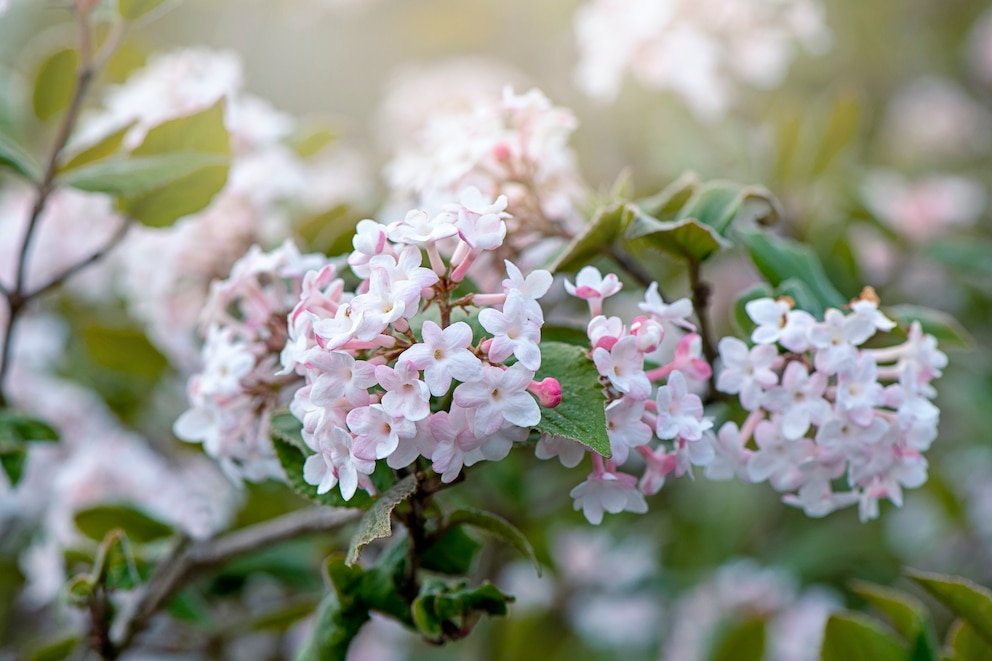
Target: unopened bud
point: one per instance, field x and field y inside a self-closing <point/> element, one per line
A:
<point x="548" y="392"/>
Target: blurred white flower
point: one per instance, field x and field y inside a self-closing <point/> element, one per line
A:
<point x="926" y="208"/>
<point x="698" y="50"/>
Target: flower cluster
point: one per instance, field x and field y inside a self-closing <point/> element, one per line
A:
<point x="516" y="146"/>
<point x="698" y="50"/>
<point x="627" y="358"/>
<point x="822" y="405"/>
<point x="234" y="395"/>
<point x="392" y="374"/>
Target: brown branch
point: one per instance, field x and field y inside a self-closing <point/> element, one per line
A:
<point x="187" y="560"/>
<point x="701" y="292"/>
<point x="16" y="298"/>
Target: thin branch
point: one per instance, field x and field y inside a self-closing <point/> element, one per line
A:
<point x="700" y="302"/>
<point x="187" y="560"/>
<point x="16" y="299"/>
<point x="96" y="256"/>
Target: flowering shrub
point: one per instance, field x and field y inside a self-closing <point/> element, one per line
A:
<point x="379" y="375"/>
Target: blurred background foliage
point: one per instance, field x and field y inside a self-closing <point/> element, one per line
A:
<point x="815" y="142"/>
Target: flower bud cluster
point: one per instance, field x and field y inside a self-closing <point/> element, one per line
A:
<point x="822" y="406"/>
<point x="391" y="376"/>
<point x="239" y="386"/>
<point x="649" y="410"/>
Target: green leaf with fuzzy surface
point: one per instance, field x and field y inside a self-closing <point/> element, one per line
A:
<point x="687" y="239"/>
<point x="968" y="644"/>
<point x="55" y="83"/>
<point x="854" y="637"/>
<point x="376" y="524"/>
<point x="140" y="174"/>
<point x="606" y="226"/>
<point x="98" y="522"/>
<point x="203" y="133"/>
<point x="581" y="415"/>
<point x="499" y="527"/>
<point x="906" y="614"/>
<point x="17" y="159"/>
<point x="946" y="329"/>
<point x="966" y="599"/>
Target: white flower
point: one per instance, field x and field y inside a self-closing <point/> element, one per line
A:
<point x="334" y="463"/>
<point x="799" y="400"/>
<point x="501" y="394"/>
<point x="623" y="365"/>
<point x="833" y="343"/>
<point x="674" y="313"/>
<point x="444" y="355"/>
<point x="625" y="427"/>
<point x="589" y="283"/>
<point x="377" y="434"/>
<point x="747" y="372"/>
<point x="406" y="395"/>
<point x="337" y="374"/>
<point x="514" y="332"/>
<point x="420" y="228"/>
<point x="610" y="492"/>
<point x="778" y="322"/>
<point x="778" y="459"/>
<point x="680" y="413"/>
<point x="730" y="457"/>
<point x="569" y="452"/>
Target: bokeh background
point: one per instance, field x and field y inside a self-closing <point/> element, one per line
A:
<point x="871" y="122"/>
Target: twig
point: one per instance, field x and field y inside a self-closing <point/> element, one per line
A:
<point x="16" y="298"/>
<point x="700" y="302"/>
<point x="79" y="266"/>
<point x="186" y="561"/>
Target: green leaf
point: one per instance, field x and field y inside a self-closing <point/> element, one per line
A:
<point x="742" y="641"/>
<point x="56" y="651"/>
<point x="18" y="160"/>
<point x="12" y="463"/>
<point x="688" y="238"/>
<point x="452" y="553"/>
<point x="115" y="566"/>
<point x="854" y="637"/>
<point x="447" y="612"/>
<point x="310" y="141"/>
<point x="17" y="428"/>
<point x="966" y="599"/>
<point x="779" y="260"/>
<point x="136" y="175"/>
<point x="375" y="523"/>
<point x="606" y="225"/>
<point x="965" y="255"/>
<point x="968" y="644"/>
<point x="800" y="294"/>
<point x="292" y="456"/>
<point x="944" y="327"/>
<point x="499" y="527"/>
<point x="123" y="350"/>
<point x="906" y="613"/>
<point x="134" y="9"/>
<point x="97" y="522"/>
<point x="79" y="590"/>
<point x="672" y="197"/>
<point x="203" y="133"/>
<point x="16" y="431"/>
<point x="581" y="415"/>
<point x="840" y="132"/>
<point x="332" y="632"/>
<point x="55" y="84"/>
<point x="99" y="150"/>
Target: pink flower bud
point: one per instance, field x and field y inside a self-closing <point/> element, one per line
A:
<point x="548" y="392"/>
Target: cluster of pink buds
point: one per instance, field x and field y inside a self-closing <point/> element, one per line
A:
<point x="663" y="425"/>
<point x="239" y="387"/>
<point x="395" y="370"/>
<point x="822" y="406"/>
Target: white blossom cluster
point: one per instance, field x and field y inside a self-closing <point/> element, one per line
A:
<point x="697" y="49"/>
<point x="165" y="272"/>
<point x="822" y="406"/>
<point x="637" y="413"/>
<point x="240" y="386"/>
<point x="389" y="374"/>
<point x="516" y="146"/>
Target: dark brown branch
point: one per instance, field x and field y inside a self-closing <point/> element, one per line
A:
<point x="187" y="560"/>
<point x="700" y="302"/>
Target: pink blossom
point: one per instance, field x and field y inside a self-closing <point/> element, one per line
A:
<point x="501" y="394"/>
<point x="609" y="492"/>
<point x="444" y="355"/>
